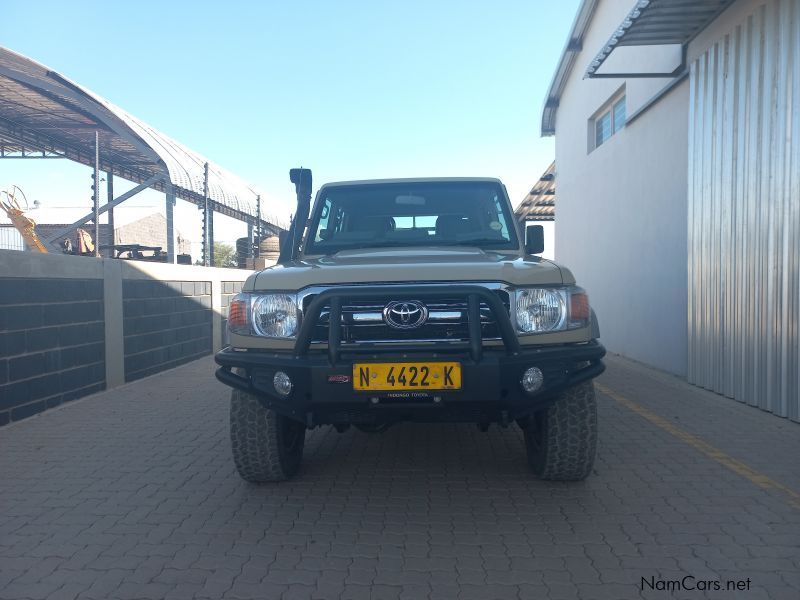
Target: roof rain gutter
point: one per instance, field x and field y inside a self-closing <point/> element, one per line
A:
<point x="565" y="65"/>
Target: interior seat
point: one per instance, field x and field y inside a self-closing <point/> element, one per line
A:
<point x="450" y="227"/>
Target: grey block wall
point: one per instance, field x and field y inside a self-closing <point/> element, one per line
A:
<point x="71" y="326"/>
<point x="229" y="290"/>
<point x="165" y="324"/>
<point x="52" y="343"/>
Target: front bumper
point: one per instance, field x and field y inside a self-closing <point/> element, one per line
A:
<point x="491" y="389"/>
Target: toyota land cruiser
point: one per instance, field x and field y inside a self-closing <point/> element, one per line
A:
<point x="410" y="300"/>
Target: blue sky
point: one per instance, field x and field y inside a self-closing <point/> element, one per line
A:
<point x="352" y="90"/>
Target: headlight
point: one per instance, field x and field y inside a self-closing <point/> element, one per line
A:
<point x="268" y="315"/>
<point x="274" y="315"/>
<point x="540" y="310"/>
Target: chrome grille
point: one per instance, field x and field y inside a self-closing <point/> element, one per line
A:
<point x="362" y="320"/>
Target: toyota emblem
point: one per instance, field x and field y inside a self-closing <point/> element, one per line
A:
<point x="405" y="314"/>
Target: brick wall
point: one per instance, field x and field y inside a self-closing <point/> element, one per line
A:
<point x="165" y="324"/>
<point x="52" y="343"/>
<point x="229" y="290"/>
<point x="151" y="231"/>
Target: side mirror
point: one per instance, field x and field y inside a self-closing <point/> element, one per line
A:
<point x="534" y="239"/>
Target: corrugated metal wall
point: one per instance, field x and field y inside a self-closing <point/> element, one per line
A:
<point x="744" y="212"/>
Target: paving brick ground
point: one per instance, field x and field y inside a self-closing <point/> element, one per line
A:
<point x="132" y="494"/>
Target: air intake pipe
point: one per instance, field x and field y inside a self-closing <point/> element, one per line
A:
<point x="301" y="178"/>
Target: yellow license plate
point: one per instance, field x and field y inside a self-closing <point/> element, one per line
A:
<point x="407" y="376"/>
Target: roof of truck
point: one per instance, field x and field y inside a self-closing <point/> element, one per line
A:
<point x="413" y="180"/>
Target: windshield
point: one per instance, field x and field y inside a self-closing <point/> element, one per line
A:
<point x="412" y="214"/>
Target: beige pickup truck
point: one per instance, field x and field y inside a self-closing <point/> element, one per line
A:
<point x="410" y="300"/>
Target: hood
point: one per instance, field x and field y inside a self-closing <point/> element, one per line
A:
<point x="391" y="265"/>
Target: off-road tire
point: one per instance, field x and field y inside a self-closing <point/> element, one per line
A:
<point x="561" y="441"/>
<point x="266" y="446"/>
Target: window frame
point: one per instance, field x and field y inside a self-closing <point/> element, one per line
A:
<point x="608" y="109"/>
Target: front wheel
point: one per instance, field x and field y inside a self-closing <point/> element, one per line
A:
<point x="266" y="446"/>
<point x="561" y="440"/>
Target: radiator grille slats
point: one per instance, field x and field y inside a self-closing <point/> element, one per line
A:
<point x="363" y="322"/>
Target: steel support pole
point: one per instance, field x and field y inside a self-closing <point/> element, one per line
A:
<point x="96" y="194"/>
<point x="211" y="236"/>
<point x="170" y="206"/>
<point x="257" y="252"/>
<point x="109" y="199"/>
<point x="206" y="252"/>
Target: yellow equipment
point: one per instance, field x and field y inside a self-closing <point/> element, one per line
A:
<point x="25" y="226"/>
<point x="85" y="243"/>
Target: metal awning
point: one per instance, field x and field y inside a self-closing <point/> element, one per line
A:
<point x="45" y="115"/>
<point x="659" y="23"/>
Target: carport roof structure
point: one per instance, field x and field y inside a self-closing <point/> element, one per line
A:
<point x="540" y="203"/>
<point x="43" y="114"/>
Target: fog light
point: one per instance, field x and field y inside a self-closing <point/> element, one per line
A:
<point x="532" y="379"/>
<point x="282" y="383"/>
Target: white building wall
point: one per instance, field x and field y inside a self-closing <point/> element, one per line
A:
<point x="622" y="207"/>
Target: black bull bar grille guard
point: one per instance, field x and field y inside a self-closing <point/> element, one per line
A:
<point x="473" y="294"/>
<point x="333" y="298"/>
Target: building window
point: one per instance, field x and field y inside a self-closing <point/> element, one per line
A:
<point x="619" y="114"/>
<point x="602" y="129"/>
<point x="608" y="121"/>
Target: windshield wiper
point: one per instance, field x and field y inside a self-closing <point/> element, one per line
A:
<point x="333" y="249"/>
<point x="476" y="242"/>
<point x="362" y="245"/>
